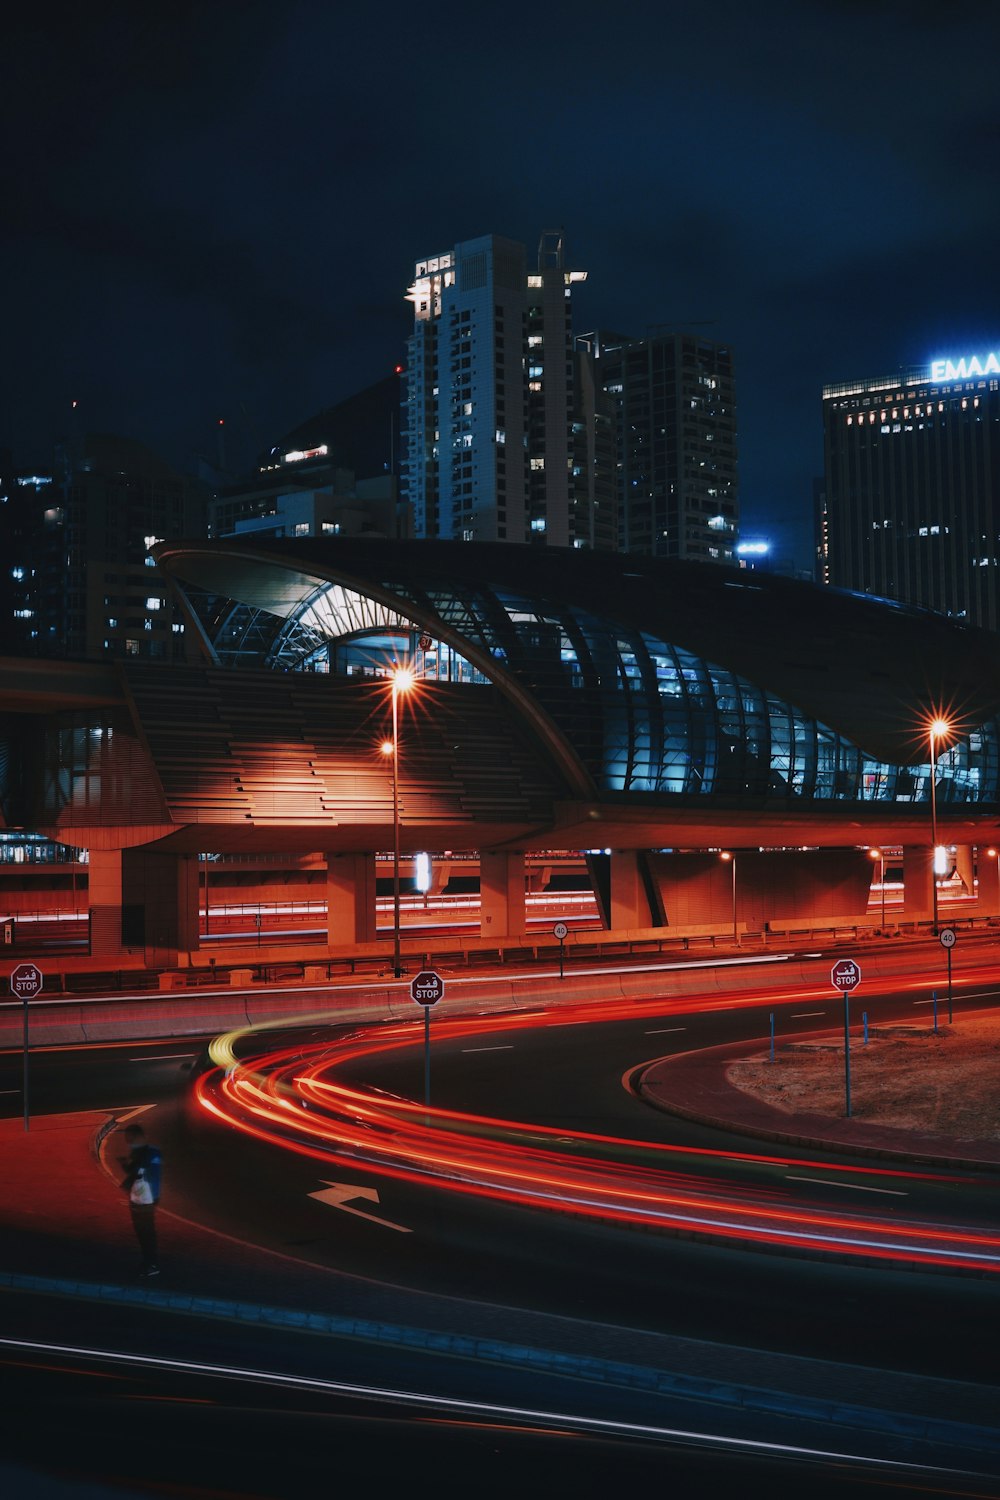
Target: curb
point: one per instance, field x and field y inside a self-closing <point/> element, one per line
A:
<point x="964" y="1435"/>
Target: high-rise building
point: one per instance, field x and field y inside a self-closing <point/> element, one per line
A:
<point x="678" y="484"/>
<point x="489" y="435"/>
<point x="913" y="486"/>
<point x="83" y="581"/>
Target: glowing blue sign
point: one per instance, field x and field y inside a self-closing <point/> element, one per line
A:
<point x="966" y="367"/>
<point x="753" y="549"/>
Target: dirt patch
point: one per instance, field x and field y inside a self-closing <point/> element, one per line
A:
<point x="943" y="1083"/>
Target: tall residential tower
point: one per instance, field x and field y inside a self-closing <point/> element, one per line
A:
<point x="675" y="401"/>
<point x="490" y="396"/>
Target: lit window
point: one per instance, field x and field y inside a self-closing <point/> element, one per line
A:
<point x="153" y="603"/>
<point x="301" y="528"/>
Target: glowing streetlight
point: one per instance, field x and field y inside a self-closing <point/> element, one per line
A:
<point x="879" y="854"/>
<point x="937" y="729"/>
<point x="728" y="855"/>
<point x="402" y="680"/>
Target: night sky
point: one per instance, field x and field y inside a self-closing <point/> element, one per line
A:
<point x="213" y="210"/>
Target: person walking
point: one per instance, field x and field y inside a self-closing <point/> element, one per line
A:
<point x="141" y="1182"/>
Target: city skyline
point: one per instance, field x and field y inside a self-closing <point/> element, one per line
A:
<point x="209" y="221"/>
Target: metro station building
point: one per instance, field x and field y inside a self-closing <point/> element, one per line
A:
<point x="647" y="714"/>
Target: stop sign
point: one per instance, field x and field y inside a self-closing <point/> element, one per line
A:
<point x="427" y="987"/>
<point x="26" y="981"/>
<point x="845" y="975"/>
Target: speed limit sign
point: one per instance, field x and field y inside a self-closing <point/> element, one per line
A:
<point x="948" y="937"/>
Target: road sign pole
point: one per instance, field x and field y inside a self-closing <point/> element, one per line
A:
<point x="26" y="982"/>
<point x="24" y="1068"/>
<point x="948" y="938"/>
<point x="427" y="1065"/>
<point x="847" y="1051"/>
<point x="560" y="930"/>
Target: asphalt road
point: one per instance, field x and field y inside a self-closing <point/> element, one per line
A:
<point x="569" y="1076"/>
<point x="877" y="1319"/>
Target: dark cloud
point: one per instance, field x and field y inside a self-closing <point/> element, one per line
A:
<point x="215" y="210"/>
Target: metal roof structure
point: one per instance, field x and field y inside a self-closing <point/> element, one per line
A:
<point x="642" y="675"/>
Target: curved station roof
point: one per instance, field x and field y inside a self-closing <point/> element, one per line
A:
<point x="640" y="680"/>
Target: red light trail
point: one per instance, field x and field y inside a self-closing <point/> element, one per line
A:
<point x="292" y="1097"/>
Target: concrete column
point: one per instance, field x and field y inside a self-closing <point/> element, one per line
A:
<point x="629" y="900"/>
<point x="104" y="884"/>
<point x="988" y="870"/>
<point x="918" y="890"/>
<point x="350" y="899"/>
<point x="160" y="905"/>
<point x="502" y="911"/>
<point x="965" y="867"/>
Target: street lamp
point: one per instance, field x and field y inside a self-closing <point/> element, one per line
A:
<point x="402" y="680"/>
<point x="879" y="854"/>
<point x="727" y="854"/>
<point x="937" y="729"/>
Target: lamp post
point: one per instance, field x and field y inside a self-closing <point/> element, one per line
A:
<point x="937" y="729"/>
<point x="402" y="680"/>
<point x="728" y="855"/>
<point x="879" y="854"/>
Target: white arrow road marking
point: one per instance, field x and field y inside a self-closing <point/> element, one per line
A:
<point x="337" y="1193"/>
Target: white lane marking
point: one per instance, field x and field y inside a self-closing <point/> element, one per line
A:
<point x="337" y="1194"/>
<point x="800" y="1015"/>
<point x="161" y="1057"/>
<point x="421" y="1399"/>
<point x="507" y="1047"/>
<point x="856" y="1187"/>
<point x="924" y="1002"/>
<point x="662" y="1031"/>
<point x="10" y="1091"/>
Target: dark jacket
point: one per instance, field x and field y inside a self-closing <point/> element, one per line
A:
<point x="147" y="1160"/>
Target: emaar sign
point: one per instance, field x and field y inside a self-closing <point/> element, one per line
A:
<point x="966" y="367"/>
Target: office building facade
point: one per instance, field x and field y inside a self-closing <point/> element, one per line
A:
<point x="489" y="396"/>
<point x="677" y="460"/>
<point x="913" y="486"/>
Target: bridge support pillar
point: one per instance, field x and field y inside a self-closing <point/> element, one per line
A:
<point x="104" y="885"/>
<point x="988" y="872"/>
<point x="160" y="900"/>
<point x="918" y="888"/>
<point x="350" y="899"/>
<point x="965" y="867"/>
<point x="502" y="912"/>
<point x="630" y="901"/>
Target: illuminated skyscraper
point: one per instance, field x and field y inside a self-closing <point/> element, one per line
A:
<point x="490" y="394"/>
<point x="913" y="486"/>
